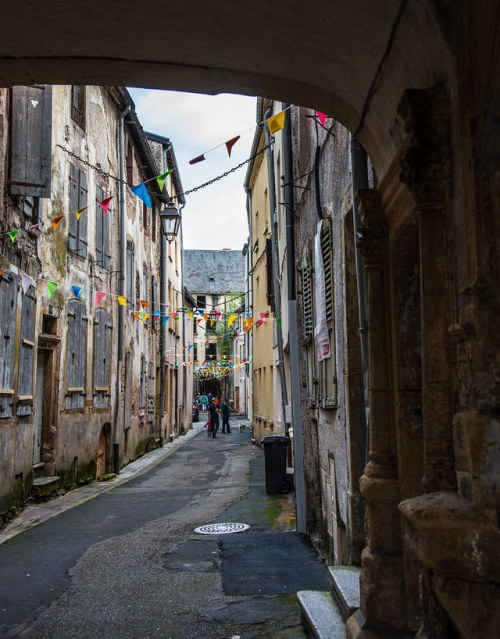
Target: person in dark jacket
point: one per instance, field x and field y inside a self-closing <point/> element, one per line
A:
<point x="214" y="418"/>
<point x="226" y="409"/>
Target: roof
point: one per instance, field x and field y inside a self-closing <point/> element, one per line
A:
<point x="214" y="272"/>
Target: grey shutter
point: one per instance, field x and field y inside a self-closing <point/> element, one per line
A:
<point x="25" y="375"/>
<point x="31" y="141"/>
<point x="8" y="316"/>
<point x="151" y="394"/>
<point x="106" y="255"/>
<point x="142" y="388"/>
<point x="99" y="214"/>
<point x="307" y="308"/>
<point x="130" y="274"/>
<point x="82" y="222"/>
<point x="102" y="357"/>
<point x="73" y="206"/>
<point x="327" y="254"/>
<point x="76" y="354"/>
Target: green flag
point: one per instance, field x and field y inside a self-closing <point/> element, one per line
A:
<point x="51" y="287"/>
<point x="13" y="235"/>
<point x="161" y="179"/>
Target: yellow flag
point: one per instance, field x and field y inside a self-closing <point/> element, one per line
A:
<point x="232" y="317"/>
<point x="146" y="315"/>
<point x="80" y="211"/>
<point x="122" y="301"/>
<point x="276" y="123"/>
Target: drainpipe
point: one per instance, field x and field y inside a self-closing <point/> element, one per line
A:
<point x="249" y="345"/>
<point x="184" y="373"/>
<point x="275" y="263"/>
<point x="298" y="440"/>
<point x="359" y="172"/>
<point x="163" y="280"/>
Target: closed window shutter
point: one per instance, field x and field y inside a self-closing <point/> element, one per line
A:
<point x="25" y="376"/>
<point x="327" y="253"/>
<point x="82" y="222"/>
<point x="269" y="274"/>
<point x="99" y="214"/>
<point x="31" y="141"/>
<point x="151" y="393"/>
<point x="8" y="316"/>
<point x="76" y="354"/>
<point x="102" y="357"/>
<point x="307" y="307"/>
<point x="130" y="273"/>
<point x="106" y="254"/>
<point x="328" y="372"/>
<point x="142" y="388"/>
<point x="73" y="206"/>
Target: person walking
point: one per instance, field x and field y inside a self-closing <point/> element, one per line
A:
<point x="204" y="403"/>
<point x="214" y="418"/>
<point x="226" y="410"/>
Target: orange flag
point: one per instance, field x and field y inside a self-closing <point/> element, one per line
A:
<point x="55" y="221"/>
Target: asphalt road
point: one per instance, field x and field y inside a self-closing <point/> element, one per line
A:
<point x="127" y="563"/>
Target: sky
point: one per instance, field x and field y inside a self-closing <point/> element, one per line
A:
<point x="214" y="217"/>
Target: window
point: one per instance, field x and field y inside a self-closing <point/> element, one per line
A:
<point x="154" y="222"/>
<point x="76" y="349"/>
<point x="31" y="141"/>
<point x="130" y="164"/>
<point x="145" y="218"/>
<point x="308" y="329"/>
<point x="8" y="316"/>
<point x="142" y="389"/>
<point x="102" y="357"/>
<point x="25" y="375"/>
<point x="327" y="367"/>
<point x="269" y="273"/>
<point x="201" y="302"/>
<point x="102" y="253"/>
<point x="154" y="300"/>
<point x="77" y="200"/>
<point x="211" y="352"/>
<point x="30" y="206"/>
<point x="151" y="396"/>
<point x="130" y="274"/>
<point x="78" y="105"/>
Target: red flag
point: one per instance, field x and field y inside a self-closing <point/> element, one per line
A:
<point x="322" y="117"/>
<point x="105" y="203"/>
<point x="144" y="304"/>
<point x="231" y="143"/>
<point x="200" y="158"/>
<point x="56" y="220"/>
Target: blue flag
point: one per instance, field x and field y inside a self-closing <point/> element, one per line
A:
<point x="142" y="193"/>
<point x="76" y="291"/>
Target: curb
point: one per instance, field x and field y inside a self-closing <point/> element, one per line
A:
<point x="31" y="516"/>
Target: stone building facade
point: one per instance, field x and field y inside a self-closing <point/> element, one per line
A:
<point x="81" y="373"/>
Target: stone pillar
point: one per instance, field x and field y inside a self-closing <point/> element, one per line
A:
<point x="382" y="585"/>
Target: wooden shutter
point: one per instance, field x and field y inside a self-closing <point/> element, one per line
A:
<point x="151" y="394"/>
<point x="328" y="371"/>
<point x="31" y="141"/>
<point x="25" y="375"/>
<point x="327" y="254"/>
<point x="8" y="316"/>
<point x="307" y="296"/>
<point x="130" y="273"/>
<point x="82" y="222"/>
<point x="102" y="357"/>
<point x="73" y="206"/>
<point x="269" y="273"/>
<point x="106" y="254"/>
<point x="99" y="214"/>
<point x="142" y="388"/>
<point x="76" y="354"/>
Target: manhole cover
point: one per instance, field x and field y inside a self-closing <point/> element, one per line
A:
<point x="221" y="529"/>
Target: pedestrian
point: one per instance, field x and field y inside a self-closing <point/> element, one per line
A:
<point x="204" y="403"/>
<point x="226" y="409"/>
<point x="210" y="398"/>
<point x="214" y="418"/>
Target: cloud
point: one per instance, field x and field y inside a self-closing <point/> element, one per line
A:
<point x="214" y="217"/>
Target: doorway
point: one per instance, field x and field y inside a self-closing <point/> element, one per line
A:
<point x="44" y="426"/>
<point x="103" y="451"/>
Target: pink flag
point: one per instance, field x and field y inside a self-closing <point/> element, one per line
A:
<point x="231" y="143"/>
<point x="98" y="298"/>
<point x="322" y="117"/>
<point x="105" y="204"/>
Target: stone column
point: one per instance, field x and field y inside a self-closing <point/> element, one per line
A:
<point x="382" y="585"/>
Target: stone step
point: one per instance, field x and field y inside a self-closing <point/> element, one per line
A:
<point x="44" y="487"/>
<point x="321" y="615"/>
<point x="345" y="588"/>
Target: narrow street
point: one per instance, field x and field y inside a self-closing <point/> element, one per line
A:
<point x="128" y="564"/>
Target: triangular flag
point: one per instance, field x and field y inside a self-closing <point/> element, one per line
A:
<point x="200" y="312"/>
<point x="146" y="315"/>
<point x="136" y="316"/>
<point x="51" y="287"/>
<point x="232" y="317"/>
<point x="161" y="179"/>
<point x="80" y="211"/>
<point x="190" y="315"/>
<point x="231" y="143"/>
<point x="248" y="323"/>
<point x="322" y="117"/>
<point x="13" y="235"/>
<point x="198" y="321"/>
<point x="156" y="316"/>
<point x="122" y="301"/>
<point x="200" y="158"/>
<point x="105" y="203"/>
<point x="1" y="272"/>
<point x="56" y="220"/>
<point x="144" y="304"/>
<point x="76" y="291"/>
<point x="142" y="193"/>
<point x="165" y="320"/>
<point x="26" y="281"/>
<point x="276" y="123"/>
<point x="98" y="298"/>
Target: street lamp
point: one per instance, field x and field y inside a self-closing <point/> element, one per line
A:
<point x="171" y="221"/>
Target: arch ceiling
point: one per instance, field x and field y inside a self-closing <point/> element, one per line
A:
<point x="322" y="54"/>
